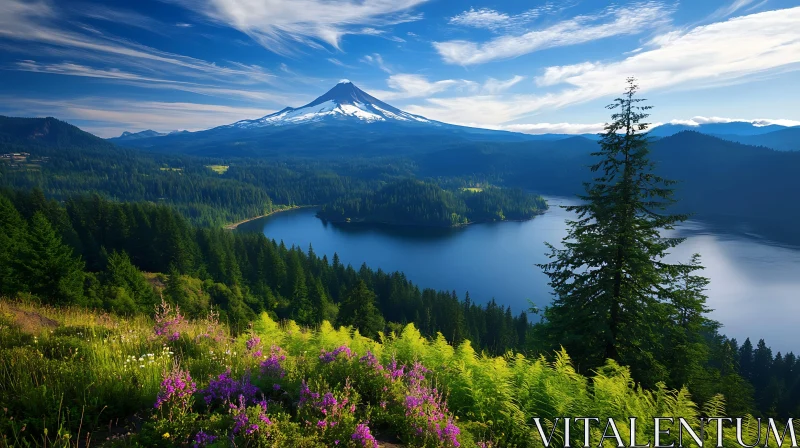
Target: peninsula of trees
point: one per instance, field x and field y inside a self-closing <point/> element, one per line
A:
<point x="419" y="203"/>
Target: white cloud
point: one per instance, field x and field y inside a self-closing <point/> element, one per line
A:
<point x="554" y="128"/>
<point x="406" y="85"/>
<point x="481" y="18"/>
<point x="613" y="21"/>
<point x="493" y="20"/>
<point x="722" y="53"/>
<point x="39" y="23"/>
<point x="280" y="24"/>
<point x="335" y="61"/>
<point x="494" y="86"/>
<point x="698" y="120"/>
<point x="376" y="60"/>
<point x="730" y="9"/>
<point x="120" y="76"/>
<point x="109" y="117"/>
<point x="557" y="75"/>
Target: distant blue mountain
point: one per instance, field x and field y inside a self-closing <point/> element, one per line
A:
<point x="787" y="139"/>
<point x="739" y="128"/>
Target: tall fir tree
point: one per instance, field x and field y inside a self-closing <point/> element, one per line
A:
<point x="360" y="311"/>
<point x="611" y="284"/>
<point x="47" y="267"/>
<point x="12" y="241"/>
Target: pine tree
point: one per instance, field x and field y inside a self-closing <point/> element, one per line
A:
<point x="746" y="360"/>
<point x="121" y="273"/>
<point x="610" y="282"/>
<point x="12" y="240"/>
<point x="47" y="267"/>
<point x="359" y="310"/>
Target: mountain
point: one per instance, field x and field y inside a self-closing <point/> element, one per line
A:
<point x="46" y="132"/>
<point x="344" y="101"/>
<point x="344" y="120"/>
<point x="787" y="139"/>
<point x="739" y="128"/>
<point x="127" y="136"/>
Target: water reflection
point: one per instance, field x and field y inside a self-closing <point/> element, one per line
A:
<point x="754" y="282"/>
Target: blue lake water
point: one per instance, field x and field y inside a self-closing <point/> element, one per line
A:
<point x="754" y="290"/>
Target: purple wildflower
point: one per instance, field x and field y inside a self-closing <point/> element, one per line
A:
<point x="169" y="321"/>
<point x="272" y="365"/>
<point x="224" y="389"/>
<point x="176" y="390"/>
<point x="364" y="437"/>
<point x="201" y="440"/>
<point x="328" y="357"/>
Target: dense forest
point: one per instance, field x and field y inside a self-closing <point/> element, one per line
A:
<point x="120" y="257"/>
<point x="413" y="202"/>
<point x="103" y="247"/>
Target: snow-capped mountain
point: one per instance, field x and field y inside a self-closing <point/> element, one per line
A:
<point x="344" y="101"/>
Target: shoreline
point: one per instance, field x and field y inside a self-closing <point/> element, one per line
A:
<point x="237" y="224"/>
<point x="457" y="226"/>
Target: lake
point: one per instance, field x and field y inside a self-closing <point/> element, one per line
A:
<point x="754" y="290"/>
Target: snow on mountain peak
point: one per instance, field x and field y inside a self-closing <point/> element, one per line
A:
<point x="344" y="101"/>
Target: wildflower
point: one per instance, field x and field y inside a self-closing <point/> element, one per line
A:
<point x="224" y="388"/>
<point x="328" y="357"/>
<point x="177" y="388"/>
<point x="201" y="439"/>
<point x="166" y="435"/>
<point x="253" y="343"/>
<point x="169" y="321"/>
<point x="364" y="437"/>
<point x="272" y="365"/>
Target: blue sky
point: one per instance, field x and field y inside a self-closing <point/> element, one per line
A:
<point x="518" y="65"/>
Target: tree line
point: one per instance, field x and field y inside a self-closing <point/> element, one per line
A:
<point x="95" y="253"/>
<point x="416" y="202"/>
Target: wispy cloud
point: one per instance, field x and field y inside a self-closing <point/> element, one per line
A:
<point x="495" y="86"/>
<point x="278" y="25"/>
<point x="376" y="60"/>
<point x="490" y="19"/>
<point x="698" y="120"/>
<point x="108" y="117"/>
<point x="117" y="16"/>
<point x="39" y="23"/>
<point x="731" y="9"/>
<point x="554" y="128"/>
<point x="717" y="54"/>
<point x="613" y="21"/>
<point x="335" y="61"/>
<point x="406" y="85"/>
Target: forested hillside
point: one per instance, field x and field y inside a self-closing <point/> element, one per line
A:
<point x="92" y="252"/>
<point x="412" y="202"/>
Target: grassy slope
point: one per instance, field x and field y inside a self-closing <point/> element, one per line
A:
<point x="85" y="375"/>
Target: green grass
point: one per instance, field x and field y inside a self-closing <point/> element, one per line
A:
<point x="473" y="189"/>
<point x="219" y="169"/>
<point x="164" y="168"/>
<point x="68" y="374"/>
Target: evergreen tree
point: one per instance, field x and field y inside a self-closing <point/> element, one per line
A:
<point x="321" y="306"/>
<point x="176" y="289"/>
<point x="610" y="281"/>
<point x="746" y="360"/>
<point x="12" y="240"/>
<point x="48" y="267"/>
<point x="359" y="310"/>
<point x="122" y="274"/>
